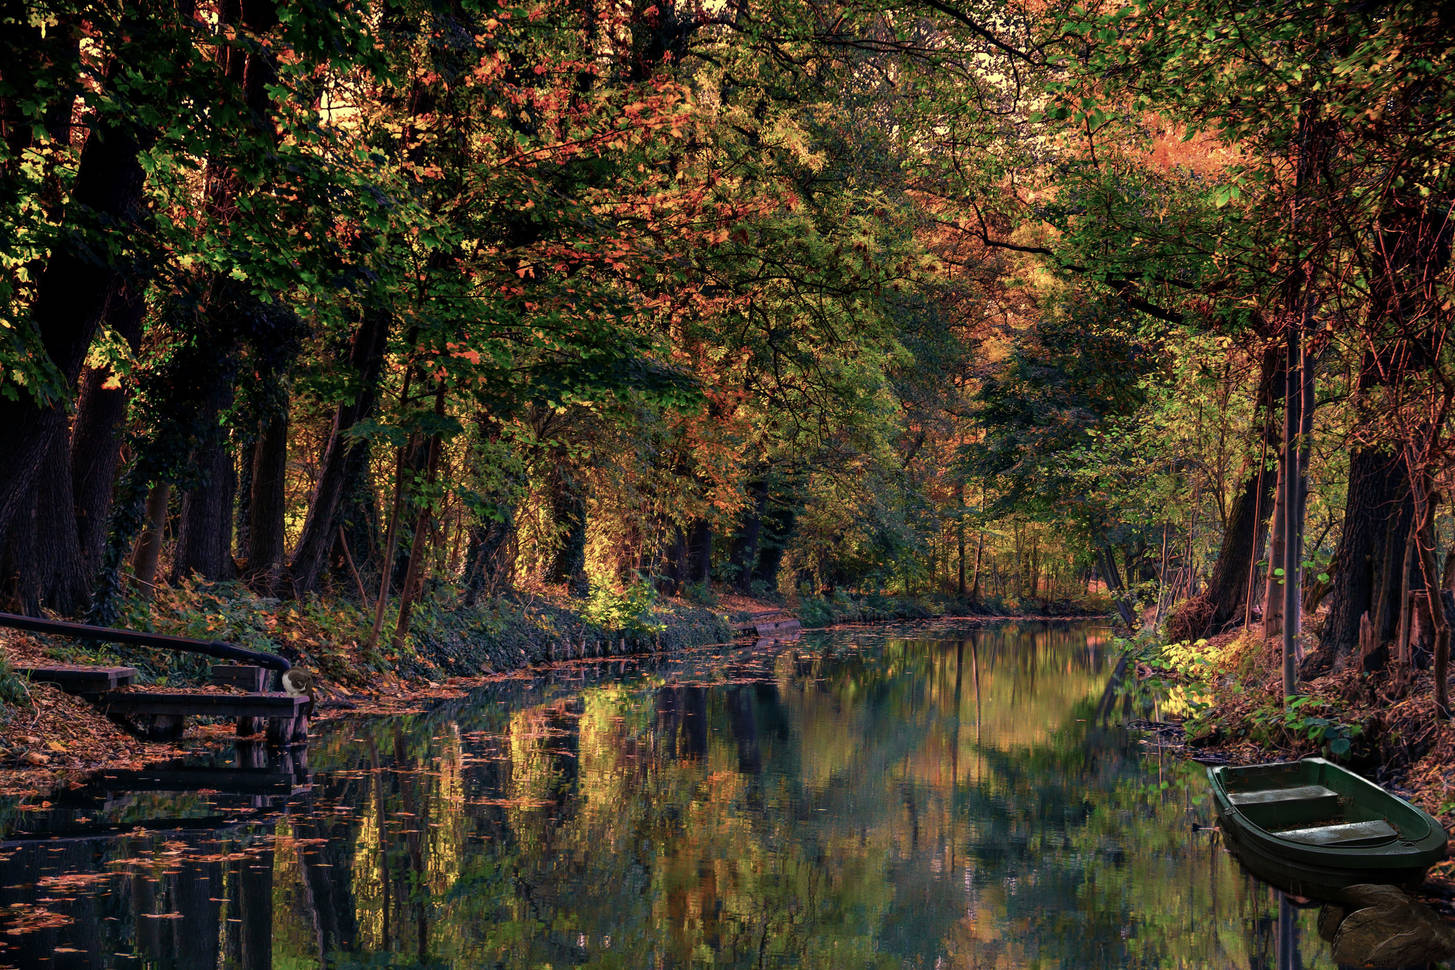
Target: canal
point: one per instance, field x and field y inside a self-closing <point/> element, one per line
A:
<point x="931" y="797"/>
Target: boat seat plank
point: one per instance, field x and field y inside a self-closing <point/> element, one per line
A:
<point x="1284" y="796"/>
<point x="1346" y="833"/>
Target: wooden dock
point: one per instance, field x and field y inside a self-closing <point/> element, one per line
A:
<point x="78" y="679"/>
<point x="160" y="714"/>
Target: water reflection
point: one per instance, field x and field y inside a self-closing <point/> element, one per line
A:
<point x="946" y="799"/>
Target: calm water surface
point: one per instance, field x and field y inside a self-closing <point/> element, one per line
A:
<point x="934" y="798"/>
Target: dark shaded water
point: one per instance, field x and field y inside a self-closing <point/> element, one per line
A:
<point x="932" y="799"/>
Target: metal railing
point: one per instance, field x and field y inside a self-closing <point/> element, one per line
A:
<point x="159" y="641"/>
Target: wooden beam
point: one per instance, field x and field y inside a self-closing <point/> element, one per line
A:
<point x="212" y="705"/>
<point x="77" y="678"/>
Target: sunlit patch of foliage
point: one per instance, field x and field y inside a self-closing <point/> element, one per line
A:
<point x="632" y="609"/>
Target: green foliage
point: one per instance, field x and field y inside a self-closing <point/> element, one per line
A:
<point x="1304" y="719"/>
<point x="700" y="594"/>
<point x="13" y="691"/>
<point x="630" y="611"/>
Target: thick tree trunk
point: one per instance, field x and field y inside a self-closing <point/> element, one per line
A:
<point x="267" y="503"/>
<point x="485" y="565"/>
<point x="42" y="559"/>
<point x="204" y="539"/>
<point x="779" y="521"/>
<point x="1378" y="515"/>
<point x="344" y="458"/>
<point x="671" y="570"/>
<point x="149" y="544"/>
<point x="750" y="531"/>
<point x="71" y="300"/>
<point x="229" y="309"/>
<point x="96" y="432"/>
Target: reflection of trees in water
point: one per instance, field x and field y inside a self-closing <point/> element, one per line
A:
<point x="916" y="802"/>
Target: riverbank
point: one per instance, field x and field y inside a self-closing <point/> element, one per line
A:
<point x="48" y="737"/>
<point x="1221" y="700"/>
<point x="842" y="608"/>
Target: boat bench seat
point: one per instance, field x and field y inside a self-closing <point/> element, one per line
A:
<point x="1347" y="833"/>
<point x="1311" y="796"/>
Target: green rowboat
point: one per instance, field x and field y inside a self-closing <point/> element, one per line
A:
<point x="1314" y="827"/>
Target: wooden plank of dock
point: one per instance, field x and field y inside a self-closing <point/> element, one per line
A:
<point x="178" y="703"/>
<point x="78" y="678"/>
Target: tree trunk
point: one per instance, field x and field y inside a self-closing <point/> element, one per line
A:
<point x="1118" y="589"/>
<point x="344" y="458"/>
<point x="414" y="467"/>
<point x="699" y="552"/>
<point x="1222" y="602"/>
<point x="1367" y="560"/>
<point x="228" y="310"/>
<point x="1273" y="594"/>
<point x="71" y="300"/>
<point x="204" y="539"/>
<point x="267" y="504"/>
<point x="1425" y="506"/>
<point x="409" y="590"/>
<point x="42" y="557"/>
<point x="1297" y="420"/>
<point x="566" y="558"/>
<point x="960" y="559"/>
<point x="485" y="565"/>
<point x="149" y="544"/>
<point x="96" y="432"/>
<point x="671" y="571"/>
<point x="779" y="521"/>
<point x="750" y="531"/>
<point x="357" y="548"/>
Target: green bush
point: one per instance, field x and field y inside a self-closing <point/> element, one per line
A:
<point x="630" y="611"/>
<point x="13" y="691"/>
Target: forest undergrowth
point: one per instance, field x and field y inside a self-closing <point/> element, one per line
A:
<point x="1226" y="695"/>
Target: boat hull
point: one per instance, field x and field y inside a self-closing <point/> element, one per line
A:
<point x="1313" y="828"/>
